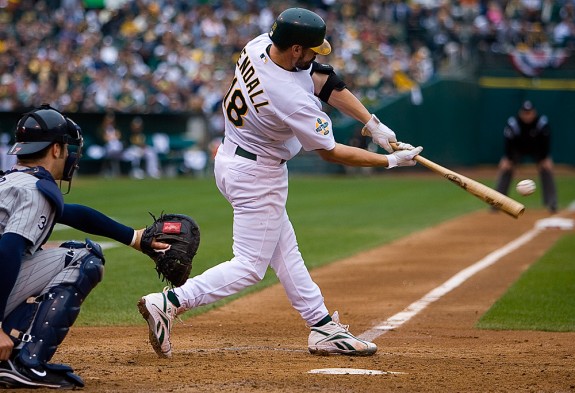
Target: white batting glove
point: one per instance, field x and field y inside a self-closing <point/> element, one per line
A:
<point x="404" y="146"/>
<point x="403" y="157"/>
<point x="380" y="133"/>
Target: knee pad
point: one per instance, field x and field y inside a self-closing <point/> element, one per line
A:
<point x="56" y="311"/>
<point x="91" y="268"/>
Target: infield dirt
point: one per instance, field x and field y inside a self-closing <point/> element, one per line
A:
<point x="259" y="343"/>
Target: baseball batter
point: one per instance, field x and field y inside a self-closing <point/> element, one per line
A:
<point x="41" y="290"/>
<point x="272" y="110"/>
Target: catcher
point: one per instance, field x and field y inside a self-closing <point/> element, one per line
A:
<point x="42" y="289"/>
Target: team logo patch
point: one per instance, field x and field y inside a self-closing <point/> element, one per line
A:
<point x="321" y="126"/>
<point x="172" y="227"/>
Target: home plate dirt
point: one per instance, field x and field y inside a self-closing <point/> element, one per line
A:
<point x="259" y="343"/>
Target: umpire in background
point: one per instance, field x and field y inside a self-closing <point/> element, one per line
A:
<point x="528" y="134"/>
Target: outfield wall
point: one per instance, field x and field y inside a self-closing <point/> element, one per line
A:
<point x="459" y="122"/>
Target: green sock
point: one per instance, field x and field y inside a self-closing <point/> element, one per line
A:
<point x="173" y="298"/>
<point x="325" y="320"/>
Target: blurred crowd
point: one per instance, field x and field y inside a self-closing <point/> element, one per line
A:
<point x="177" y="55"/>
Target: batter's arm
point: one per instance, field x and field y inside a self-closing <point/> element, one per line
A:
<point x="331" y="89"/>
<point x="343" y="100"/>
<point x="353" y="156"/>
<point x="349" y="104"/>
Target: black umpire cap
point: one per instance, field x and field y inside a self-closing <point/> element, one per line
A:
<point x="527" y="106"/>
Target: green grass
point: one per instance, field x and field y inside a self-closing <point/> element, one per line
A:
<point x="334" y="217"/>
<point x="543" y="297"/>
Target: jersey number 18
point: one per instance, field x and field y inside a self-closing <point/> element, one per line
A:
<point x="236" y="107"/>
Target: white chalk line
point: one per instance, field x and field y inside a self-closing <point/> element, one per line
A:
<point x="104" y="245"/>
<point x="416" y="307"/>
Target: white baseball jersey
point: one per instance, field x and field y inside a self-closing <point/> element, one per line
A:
<point x="273" y="112"/>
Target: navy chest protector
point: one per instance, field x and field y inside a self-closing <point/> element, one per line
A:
<point x="52" y="192"/>
<point x="47" y="186"/>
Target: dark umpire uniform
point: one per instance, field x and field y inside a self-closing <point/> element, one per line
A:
<point x="528" y="134"/>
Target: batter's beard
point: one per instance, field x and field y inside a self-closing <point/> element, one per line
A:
<point x="304" y="65"/>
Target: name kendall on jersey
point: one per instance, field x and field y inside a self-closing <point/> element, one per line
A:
<point x="251" y="81"/>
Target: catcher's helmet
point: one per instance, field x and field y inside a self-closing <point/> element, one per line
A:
<point x="298" y="26"/>
<point x="41" y="127"/>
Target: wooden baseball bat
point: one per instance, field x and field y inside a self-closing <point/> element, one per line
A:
<point x="481" y="191"/>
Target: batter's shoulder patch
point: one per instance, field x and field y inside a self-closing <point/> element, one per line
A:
<point x="322" y="126"/>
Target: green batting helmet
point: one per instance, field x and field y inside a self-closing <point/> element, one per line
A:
<point x="298" y="26"/>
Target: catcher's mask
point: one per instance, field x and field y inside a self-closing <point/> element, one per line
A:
<point x="43" y="127"/>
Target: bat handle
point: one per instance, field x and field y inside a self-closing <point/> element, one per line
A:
<point x="423" y="161"/>
<point x="395" y="146"/>
<point x="417" y="158"/>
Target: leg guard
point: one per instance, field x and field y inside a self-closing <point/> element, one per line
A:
<point x="549" y="190"/>
<point x="503" y="181"/>
<point x="59" y="307"/>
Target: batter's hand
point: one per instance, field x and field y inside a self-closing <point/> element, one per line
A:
<point x="403" y="146"/>
<point x="380" y="133"/>
<point x="403" y="157"/>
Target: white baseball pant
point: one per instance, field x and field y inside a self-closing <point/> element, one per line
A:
<point x="262" y="236"/>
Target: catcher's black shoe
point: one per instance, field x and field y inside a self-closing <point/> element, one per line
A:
<point x="57" y="376"/>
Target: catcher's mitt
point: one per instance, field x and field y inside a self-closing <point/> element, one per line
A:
<point x="183" y="234"/>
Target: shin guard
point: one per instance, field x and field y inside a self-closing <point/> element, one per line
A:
<point x="58" y="309"/>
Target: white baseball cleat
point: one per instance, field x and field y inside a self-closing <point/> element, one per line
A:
<point x="335" y="338"/>
<point x="159" y="312"/>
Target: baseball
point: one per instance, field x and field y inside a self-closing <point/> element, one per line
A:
<point x="526" y="187"/>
